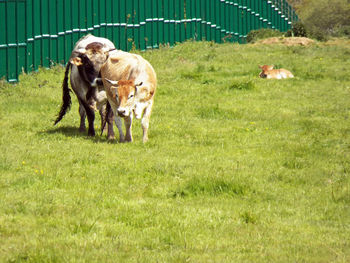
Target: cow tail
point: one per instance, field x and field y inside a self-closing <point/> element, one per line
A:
<point x="66" y="99"/>
<point x="106" y="116"/>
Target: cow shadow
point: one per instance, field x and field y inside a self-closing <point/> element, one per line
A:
<point x="73" y="132"/>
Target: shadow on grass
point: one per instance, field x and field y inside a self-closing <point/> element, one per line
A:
<point x="73" y="132"/>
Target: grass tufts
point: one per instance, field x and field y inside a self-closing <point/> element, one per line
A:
<point x="210" y="187"/>
<point x="248" y="218"/>
<point x="242" y="85"/>
<point x="236" y="169"/>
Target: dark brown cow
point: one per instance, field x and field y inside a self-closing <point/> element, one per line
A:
<point x="86" y="59"/>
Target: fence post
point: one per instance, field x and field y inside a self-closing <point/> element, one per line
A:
<point x="142" y="22"/>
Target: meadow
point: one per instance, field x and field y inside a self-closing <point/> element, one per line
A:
<point x="237" y="168"/>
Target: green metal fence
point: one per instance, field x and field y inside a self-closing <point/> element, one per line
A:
<point x="37" y="33"/>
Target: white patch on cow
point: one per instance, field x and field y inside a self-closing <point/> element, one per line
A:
<point x="101" y="99"/>
<point x="139" y="108"/>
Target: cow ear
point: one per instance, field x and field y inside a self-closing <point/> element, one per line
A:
<point x="113" y="82"/>
<point x="260" y="66"/>
<point x="76" y="61"/>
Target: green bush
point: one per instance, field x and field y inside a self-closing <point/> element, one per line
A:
<point x="319" y="34"/>
<point x="255" y="35"/>
<point x="324" y="18"/>
<point x="299" y="29"/>
<point x="343" y="31"/>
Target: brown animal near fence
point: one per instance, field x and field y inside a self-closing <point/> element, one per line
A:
<point x="130" y="83"/>
<point x="269" y="72"/>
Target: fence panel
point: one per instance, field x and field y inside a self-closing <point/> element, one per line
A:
<point x="37" y="33"/>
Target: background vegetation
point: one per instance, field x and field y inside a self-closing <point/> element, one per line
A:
<point x="237" y="168"/>
<point x="324" y="18"/>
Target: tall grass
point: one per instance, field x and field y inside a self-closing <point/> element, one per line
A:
<point x="237" y="168"/>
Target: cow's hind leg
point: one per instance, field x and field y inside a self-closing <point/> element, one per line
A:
<point x="82" y="114"/>
<point x="145" y="121"/>
<point x="91" y="118"/>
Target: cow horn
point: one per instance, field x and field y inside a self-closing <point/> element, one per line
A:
<point x="113" y="82"/>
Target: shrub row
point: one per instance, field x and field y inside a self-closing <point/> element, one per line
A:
<point x="298" y="30"/>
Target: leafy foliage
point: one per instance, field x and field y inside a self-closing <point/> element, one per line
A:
<point x="324" y="18"/>
<point x="298" y="30"/>
<point x="263" y="33"/>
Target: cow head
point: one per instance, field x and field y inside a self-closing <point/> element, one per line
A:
<point x="123" y="93"/>
<point x="265" y="70"/>
<point x="89" y="60"/>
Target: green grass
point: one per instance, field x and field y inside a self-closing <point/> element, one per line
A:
<point x="237" y="168"/>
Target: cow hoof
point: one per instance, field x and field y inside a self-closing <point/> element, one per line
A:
<point x="128" y="139"/>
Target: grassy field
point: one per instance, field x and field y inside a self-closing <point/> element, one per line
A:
<point x="237" y="168"/>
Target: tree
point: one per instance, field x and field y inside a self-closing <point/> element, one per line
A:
<point x="323" y="16"/>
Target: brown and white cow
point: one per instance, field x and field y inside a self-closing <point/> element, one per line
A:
<point x="86" y="59"/>
<point x="130" y="83"/>
<point x="269" y="72"/>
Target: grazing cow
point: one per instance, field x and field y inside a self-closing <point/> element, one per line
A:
<point x="86" y="59"/>
<point x="270" y="73"/>
<point x="130" y="83"/>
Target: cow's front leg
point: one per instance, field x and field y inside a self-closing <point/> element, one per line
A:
<point x="110" y="133"/>
<point x="128" y="126"/>
<point x="118" y="122"/>
<point x="145" y="121"/>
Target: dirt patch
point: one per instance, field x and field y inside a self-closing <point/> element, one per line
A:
<point x="288" y="41"/>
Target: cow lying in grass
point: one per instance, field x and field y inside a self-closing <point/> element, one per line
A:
<point x="86" y="59"/>
<point x="130" y="83"/>
<point x="270" y="73"/>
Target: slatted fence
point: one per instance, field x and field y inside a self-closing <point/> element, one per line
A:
<point x="37" y="33"/>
